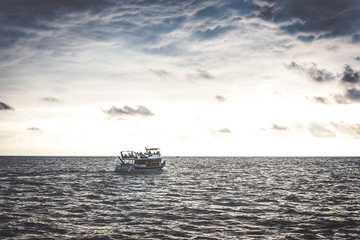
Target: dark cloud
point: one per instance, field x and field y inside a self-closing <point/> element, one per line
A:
<point x="50" y="99"/>
<point x="163" y="27"/>
<point x="357" y="59"/>
<point x="208" y="12"/>
<point x="21" y="16"/>
<point x="213" y="33"/>
<point x="319" y="75"/>
<point x="35" y="13"/>
<point x="126" y="111"/>
<point x="294" y="66"/>
<point x="33" y="129"/>
<point x="64" y="25"/>
<point x="356" y="38"/>
<point x="314" y="73"/>
<point x="350" y="75"/>
<point x="308" y="38"/>
<point x="220" y="98"/>
<point x="353" y="94"/>
<point x="327" y="18"/>
<point x="278" y="127"/>
<point x="225" y="130"/>
<point x="321" y="100"/>
<point x="222" y="10"/>
<point x="242" y="7"/>
<point x="4" y="106"/>
<point x="11" y="36"/>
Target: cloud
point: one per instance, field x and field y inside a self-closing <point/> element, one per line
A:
<point x="50" y="99"/>
<point x="350" y="75"/>
<point x="315" y="74"/>
<point x="212" y="33"/>
<point x="162" y="27"/>
<point x="220" y="98"/>
<point x="342" y="99"/>
<point x="321" y="100"/>
<point x="126" y="111"/>
<point x="278" y="127"/>
<point x="320" y="130"/>
<point x="208" y="12"/>
<point x="162" y="74"/>
<point x="225" y="130"/>
<point x="33" y="129"/>
<point x="353" y="94"/>
<point x="334" y="129"/>
<point x="153" y="25"/>
<point x="326" y="18"/>
<point x="308" y="38"/>
<point x="355" y="38"/>
<point x="4" y="107"/>
<point x="200" y="74"/>
<point x="347" y="129"/>
<point x="23" y="19"/>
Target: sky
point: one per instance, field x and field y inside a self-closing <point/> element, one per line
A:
<point x="195" y="78"/>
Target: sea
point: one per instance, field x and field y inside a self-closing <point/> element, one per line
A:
<point x="192" y="198"/>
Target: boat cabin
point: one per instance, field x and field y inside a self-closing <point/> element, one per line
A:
<point x="131" y="160"/>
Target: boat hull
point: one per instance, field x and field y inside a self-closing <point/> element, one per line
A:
<point x="130" y="168"/>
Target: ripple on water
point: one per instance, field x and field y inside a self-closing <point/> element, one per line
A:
<point x="193" y="198"/>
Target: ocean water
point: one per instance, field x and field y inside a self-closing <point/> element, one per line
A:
<point x="193" y="198"/>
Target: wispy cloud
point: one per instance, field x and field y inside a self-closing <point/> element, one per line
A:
<point x="200" y="74"/>
<point x="334" y="129"/>
<point x="162" y="74"/>
<point x="348" y="129"/>
<point x="126" y="111"/>
<point x="4" y="106"/>
<point x="321" y="100"/>
<point x="50" y="99"/>
<point x="307" y="38"/>
<point x="314" y="73"/>
<point x="220" y="98"/>
<point x="279" y="127"/>
<point x="225" y="130"/>
<point x="321" y="130"/>
<point x="33" y="129"/>
<point x="338" y="18"/>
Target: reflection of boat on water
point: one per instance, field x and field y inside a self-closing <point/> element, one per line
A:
<point x="149" y="161"/>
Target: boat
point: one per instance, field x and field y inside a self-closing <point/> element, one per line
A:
<point x="140" y="162"/>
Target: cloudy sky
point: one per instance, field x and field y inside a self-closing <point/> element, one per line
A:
<point x="241" y="77"/>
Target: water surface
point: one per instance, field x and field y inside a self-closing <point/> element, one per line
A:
<point x="193" y="198"/>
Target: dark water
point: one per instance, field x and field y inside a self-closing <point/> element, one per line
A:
<point x="193" y="198"/>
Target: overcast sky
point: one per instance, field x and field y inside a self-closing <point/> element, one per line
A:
<point x="261" y="77"/>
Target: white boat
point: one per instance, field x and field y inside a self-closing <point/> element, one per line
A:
<point x="132" y="162"/>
